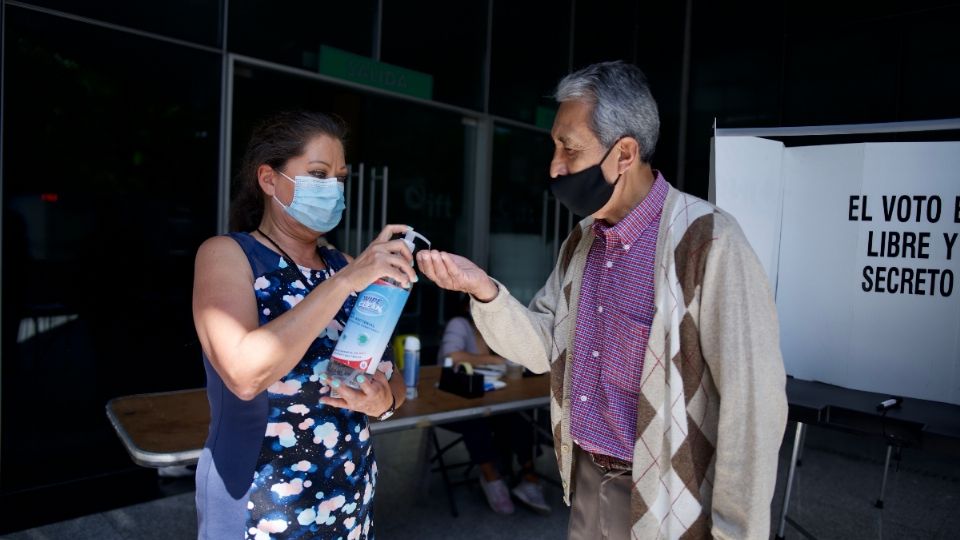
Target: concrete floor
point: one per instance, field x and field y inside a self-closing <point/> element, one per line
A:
<point x="833" y="498"/>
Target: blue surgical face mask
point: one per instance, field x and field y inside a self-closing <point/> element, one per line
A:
<point x="317" y="202"/>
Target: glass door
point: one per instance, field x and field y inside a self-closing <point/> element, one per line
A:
<point x="527" y="224"/>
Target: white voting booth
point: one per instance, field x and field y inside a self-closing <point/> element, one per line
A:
<point x="860" y="242"/>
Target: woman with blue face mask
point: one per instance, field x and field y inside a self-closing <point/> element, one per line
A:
<point x="282" y="459"/>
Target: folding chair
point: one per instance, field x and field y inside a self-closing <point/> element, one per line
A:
<point x="431" y="456"/>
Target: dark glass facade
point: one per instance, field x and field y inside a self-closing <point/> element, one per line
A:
<point x="195" y="21"/>
<point x="109" y="185"/>
<point x="453" y="52"/>
<point x="291" y="33"/>
<point x="792" y="62"/>
<point x="118" y="127"/>
<point x="530" y="49"/>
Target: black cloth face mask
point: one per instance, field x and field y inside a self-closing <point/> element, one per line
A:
<point x="587" y="191"/>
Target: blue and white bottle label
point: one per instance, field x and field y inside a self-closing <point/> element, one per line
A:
<point x="370" y="326"/>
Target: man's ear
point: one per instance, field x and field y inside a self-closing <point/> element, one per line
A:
<point x="267" y="176"/>
<point x="629" y="153"/>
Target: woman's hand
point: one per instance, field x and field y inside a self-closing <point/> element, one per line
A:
<point x="382" y="258"/>
<point x="457" y="273"/>
<point x="373" y="398"/>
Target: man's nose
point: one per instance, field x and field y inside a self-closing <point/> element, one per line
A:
<point x="557" y="167"/>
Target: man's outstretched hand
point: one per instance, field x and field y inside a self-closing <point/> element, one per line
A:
<point x="456" y="273"/>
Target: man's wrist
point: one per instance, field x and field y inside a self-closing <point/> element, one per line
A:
<point x="486" y="293"/>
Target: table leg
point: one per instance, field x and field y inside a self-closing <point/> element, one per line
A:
<point x="443" y="472"/>
<point x="538" y="431"/>
<point x="883" y="485"/>
<point x="545" y="433"/>
<point x="797" y="442"/>
<point x="803" y="444"/>
<point x="423" y="463"/>
<point x="533" y="459"/>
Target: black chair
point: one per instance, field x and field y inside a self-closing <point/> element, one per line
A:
<point x="437" y="464"/>
<point x="434" y="454"/>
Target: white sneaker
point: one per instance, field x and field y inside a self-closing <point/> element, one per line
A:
<point x="531" y="494"/>
<point x="498" y="497"/>
<point x="176" y="471"/>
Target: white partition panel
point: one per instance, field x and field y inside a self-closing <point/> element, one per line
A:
<point x="862" y="244"/>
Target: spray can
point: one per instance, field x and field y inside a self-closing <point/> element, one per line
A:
<point x="369" y="328"/>
<point x="411" y="364"/>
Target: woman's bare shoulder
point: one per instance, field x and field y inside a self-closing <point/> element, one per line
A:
<point x="219" y="250"/>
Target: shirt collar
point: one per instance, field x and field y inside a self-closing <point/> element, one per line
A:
<point x="629" y="229"/>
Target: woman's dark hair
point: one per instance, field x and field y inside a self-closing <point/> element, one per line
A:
<point x="274" y="141"/>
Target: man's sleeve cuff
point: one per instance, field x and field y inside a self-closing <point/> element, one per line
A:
<point x="497" y="304"/>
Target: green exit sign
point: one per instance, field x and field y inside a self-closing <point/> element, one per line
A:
<point x="362" y="70"/>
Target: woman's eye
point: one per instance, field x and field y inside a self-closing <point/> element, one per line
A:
<point x="321" y="174"/>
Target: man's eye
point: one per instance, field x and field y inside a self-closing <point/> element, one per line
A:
<point x="570" y="151"/>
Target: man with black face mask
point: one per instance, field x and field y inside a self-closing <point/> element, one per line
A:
<point x="658" y="327"/>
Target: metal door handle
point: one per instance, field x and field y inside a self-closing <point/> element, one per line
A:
<point x="366" y="205"/>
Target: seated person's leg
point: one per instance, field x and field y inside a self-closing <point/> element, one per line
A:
<point x="478" y="438"/>
<point x="513" y="434"/>
<point x="514" y="430"/>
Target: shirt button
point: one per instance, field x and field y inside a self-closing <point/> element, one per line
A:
<point x="609" y="264"/>
<point x="565" y="448"/>
<point x="599" y="309"/>
<point x="583" y="398"/>
<point x="626" y="247"/>
<point x="595" y="353"/>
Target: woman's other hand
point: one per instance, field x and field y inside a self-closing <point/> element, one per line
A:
<point x="457" y="273"/>
<point x="382" y="258"/>
<point x="372" y="399"/>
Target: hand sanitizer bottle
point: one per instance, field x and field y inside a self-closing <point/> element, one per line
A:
<point x="369" y="328"/>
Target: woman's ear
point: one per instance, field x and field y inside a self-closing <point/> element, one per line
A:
<point x="267" y="177"/>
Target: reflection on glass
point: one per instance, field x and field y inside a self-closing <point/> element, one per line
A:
<point x="527" y="224"/>
<point x="109" y="187"/>
<point x="291" y="33"/>
<point x="191" y="20"/>
<point x="525" y="34"/>
<point x="846" y="78"/>
<point x="620" y="33"/>
<point x="452" y="52"/>
<point x="930" y="43"/>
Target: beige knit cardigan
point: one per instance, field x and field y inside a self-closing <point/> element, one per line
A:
<point x="712" y="407"/>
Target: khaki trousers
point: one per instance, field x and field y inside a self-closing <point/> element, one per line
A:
<point x="601" y="501"/>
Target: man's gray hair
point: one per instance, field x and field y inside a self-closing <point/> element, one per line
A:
<point x="622" y="103"/>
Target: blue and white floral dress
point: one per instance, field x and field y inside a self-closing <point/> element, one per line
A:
<point x="283" y="465"/>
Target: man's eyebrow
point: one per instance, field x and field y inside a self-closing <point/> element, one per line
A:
<point x="570" y="142"/>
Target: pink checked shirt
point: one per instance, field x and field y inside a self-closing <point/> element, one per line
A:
<point x="613" y="325"/>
